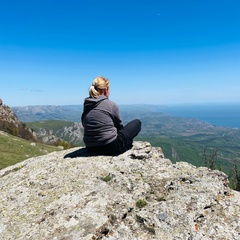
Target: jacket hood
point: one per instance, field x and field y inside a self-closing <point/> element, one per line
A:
<point x="90" y="102"/>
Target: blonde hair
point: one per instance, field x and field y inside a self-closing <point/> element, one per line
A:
<point x="98" y="85"/>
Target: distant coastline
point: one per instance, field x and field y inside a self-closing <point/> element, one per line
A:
<point x="226" y="115"/>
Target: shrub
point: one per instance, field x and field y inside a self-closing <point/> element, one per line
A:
<point x="107" y="178"/>
<point x="141" y="203"/>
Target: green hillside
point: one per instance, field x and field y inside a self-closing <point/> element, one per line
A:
<point x="54" y="125"/>
<point x="14" y="149"/>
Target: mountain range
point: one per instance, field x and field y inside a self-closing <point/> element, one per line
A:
<point x="182" y="139"/>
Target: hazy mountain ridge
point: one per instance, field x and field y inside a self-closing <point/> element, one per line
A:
<point x="73" y="112"/>
<point x="48" y="112"/>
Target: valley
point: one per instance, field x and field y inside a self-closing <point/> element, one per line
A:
<point x="182" y="139"/>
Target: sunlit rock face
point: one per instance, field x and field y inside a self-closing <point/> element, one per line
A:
<point x="7" y="114"/>
<point x="141" y="195"/>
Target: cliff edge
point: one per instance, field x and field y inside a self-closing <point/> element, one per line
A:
<point x="137" y="195"/>
<point x="9" y="123"/>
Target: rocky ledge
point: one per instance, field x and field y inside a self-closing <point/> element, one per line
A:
<point x="137" y="195"/>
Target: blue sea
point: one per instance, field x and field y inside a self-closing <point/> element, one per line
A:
<point x="226" y="115"/>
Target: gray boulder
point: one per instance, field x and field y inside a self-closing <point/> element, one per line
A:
<point x="141" y="195"/>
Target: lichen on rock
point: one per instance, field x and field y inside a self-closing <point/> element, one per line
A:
<point x="72" y="194"/>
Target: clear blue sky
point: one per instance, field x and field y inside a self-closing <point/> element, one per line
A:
<point x="160" y="52"/>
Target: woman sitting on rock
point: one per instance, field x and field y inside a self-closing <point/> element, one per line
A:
<point x="104" y="132"/>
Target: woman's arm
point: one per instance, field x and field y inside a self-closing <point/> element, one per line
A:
<point x="116" y="117"/>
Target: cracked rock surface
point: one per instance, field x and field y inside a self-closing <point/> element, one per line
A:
<point x="141" y="195"/>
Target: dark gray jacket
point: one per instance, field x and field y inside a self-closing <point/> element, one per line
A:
<point x="101" y="120"/>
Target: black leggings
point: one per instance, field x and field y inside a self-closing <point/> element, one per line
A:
<point x="122" y="143"/>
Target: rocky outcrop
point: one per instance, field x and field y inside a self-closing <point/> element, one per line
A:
<point x="136" y="195"/>
<point x="7" y="114"/>
<point x="10" y="123"/>
<point x="72" y="134"/>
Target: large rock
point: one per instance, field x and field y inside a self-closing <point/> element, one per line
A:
<point x="7" y="114"/>
<point x="136" y="195"/>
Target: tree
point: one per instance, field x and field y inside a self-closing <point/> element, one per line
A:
<point x="236" y="177"/>
<point x="210" y="159"/>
